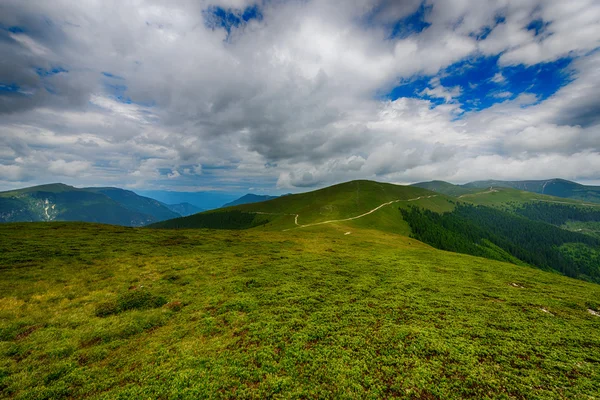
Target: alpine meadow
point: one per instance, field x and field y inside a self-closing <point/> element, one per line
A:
<point x="300" y="199"/>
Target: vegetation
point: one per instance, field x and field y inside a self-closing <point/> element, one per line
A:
<point x="306" y="313"/>
<point x="470" y="229"/>
<point x="558" y="214"/>
<point x="59" y="202"/>
<point x="552" y="187"/>
<point x="231" y="219"/>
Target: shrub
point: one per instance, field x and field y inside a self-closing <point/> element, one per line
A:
<point x="139" y="300"/>
<point x="131" y="300"/>
<point x="107" y="308"/>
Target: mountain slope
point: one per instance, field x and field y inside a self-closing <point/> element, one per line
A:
<point x="344" y="201"/>
<point x="137" y="203"/>
<point x="249" y="199"/>
<point x="306" y="313"/>
<point x="446" y="188"/>
<point x="59" y="202"/>
<point x="552" y="187"/>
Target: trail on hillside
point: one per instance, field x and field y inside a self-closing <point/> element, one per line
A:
<point x="492" y="190"/>
<point x="358" y="216"/>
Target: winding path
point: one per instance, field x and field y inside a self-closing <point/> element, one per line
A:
<point x="358" y="216"/>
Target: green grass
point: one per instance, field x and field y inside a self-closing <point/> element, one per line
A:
<point x="345" y="200"/>
<point x="508" y="198"/>
<point x="306" y="313"/>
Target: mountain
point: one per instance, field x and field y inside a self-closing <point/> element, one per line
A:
<point x="445" y="188"/>
<point x="345" y="200"/>
<point x="137" y="203"/>
<point x="60" y="202"/>
<point x="504" y="224"/>
<point x="249" y="199"/>
<point x="552" y="187"/>
<point x="204" y="200"/>
<point x="184" y="209"/>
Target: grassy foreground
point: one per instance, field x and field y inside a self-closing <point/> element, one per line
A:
<point x="93" y="311"/>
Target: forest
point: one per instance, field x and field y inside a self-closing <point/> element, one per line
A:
<point x="482" y="231"/>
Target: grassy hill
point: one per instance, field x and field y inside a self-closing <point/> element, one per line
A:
<point x="446" y="188"/>
<point x="508" y="225"/>
<point x="59" y="202"/>
<point x="101" y="312"/>
<point x="137" y="203"/>
<point x="551" y="187"/>
<point x="338" y="202"/>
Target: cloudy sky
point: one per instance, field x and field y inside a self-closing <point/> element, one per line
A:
<point x="279" y="96"/>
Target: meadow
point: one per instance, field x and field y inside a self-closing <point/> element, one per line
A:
<point x="104" y="312"/>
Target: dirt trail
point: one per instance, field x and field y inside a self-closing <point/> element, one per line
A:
<point x="358" y="216"/>
<point x="492" y="190"/>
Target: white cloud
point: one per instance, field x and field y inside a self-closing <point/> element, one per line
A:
<point x="292" y="99"/>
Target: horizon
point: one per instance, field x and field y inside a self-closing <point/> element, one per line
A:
<point x="149" y="192"/>
<point x="273" y="97"/>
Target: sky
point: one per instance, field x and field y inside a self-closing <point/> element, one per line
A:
<point x="283" y="96"/>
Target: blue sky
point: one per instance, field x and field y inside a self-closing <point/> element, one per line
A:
<point x="279" y="96"/>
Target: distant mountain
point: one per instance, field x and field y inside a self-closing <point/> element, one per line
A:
<point x="445" y="188"/>
<point x="60" y="202"/>
<point x="137" y="203"/>
<point x="551" y="187"/>
<point x="249" y="199"/>
<point x="204" y="200"/>
<point x="184" y="209"/>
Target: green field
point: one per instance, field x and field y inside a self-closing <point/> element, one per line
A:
<point x="94" y="311"/>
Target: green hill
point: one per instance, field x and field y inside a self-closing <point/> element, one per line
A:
<point x="137" y="203"/>
<point x="59" y="202"/>
<point x="345" y="201"/>
<point x="446" y="188"/>
<point x="551" y="187"/>
<point x="103" y="312"/>
<point x="506" y="226"/>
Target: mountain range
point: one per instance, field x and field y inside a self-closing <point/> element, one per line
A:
<point x="551" y="187"/>
<point x="60" y="202"/>
<point x="496" y="222"/>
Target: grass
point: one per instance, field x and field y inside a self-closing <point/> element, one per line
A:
<point x="307" y="313"/>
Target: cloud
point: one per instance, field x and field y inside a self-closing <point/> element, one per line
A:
<point x="68" y="168"/>
<point x="154" y="95"/>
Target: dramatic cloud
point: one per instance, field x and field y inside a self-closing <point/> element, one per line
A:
<point x="278" y="95"/>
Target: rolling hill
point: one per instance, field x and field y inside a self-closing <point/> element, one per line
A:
<point x="103" y="312"/>
<point x="551" y="187"/>
<point x="59" y="202"/>
<point x="503" y="224"/>
<point x="338" y="202"/>
<point x="337" y="293"/>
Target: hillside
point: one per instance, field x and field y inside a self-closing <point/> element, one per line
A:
<point x="59" y="202"/>
<point x="446" y="188"/>
<point x="249" y="199"/>
<point x="101" y="312"/>
<point x="551" y="187"/>
<point x="506" y="225"/>
<point x="137" y="203"/>
<point x="338" y="202"/>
